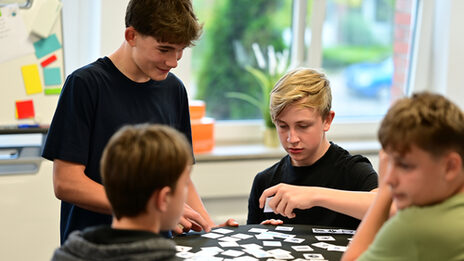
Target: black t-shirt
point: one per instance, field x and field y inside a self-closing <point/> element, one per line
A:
<point x="337" y="169"/>
<point x="95" y="102"/>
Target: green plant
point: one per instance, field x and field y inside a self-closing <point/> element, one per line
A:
<point x="276" y="64"/>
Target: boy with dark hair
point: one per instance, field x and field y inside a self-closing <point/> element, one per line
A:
<point x="318" y="182"/>
<point x="132" y="85"/>
<point x="146" y="174"/>
<point x="421" y="171"/>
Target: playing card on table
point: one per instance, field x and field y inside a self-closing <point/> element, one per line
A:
<point x="211" y="235"/>
<point x="223" y="231"/>
<point x="294" y="240"/>
<point x="325" y="238"/>
<point x="313" y="256"/>
<point x="304" y="248"/>
<point x="284" y="228"/>
<point x="272" y="243"/>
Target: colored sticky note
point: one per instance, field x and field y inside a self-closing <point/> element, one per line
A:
<point x="52" y="76"/>
<point x="25" y="109"/>
<point x="48" y="61"/>
<point x="31" y="78"/>
<point x="46" y="46"/>
<point x="52" y="91"/>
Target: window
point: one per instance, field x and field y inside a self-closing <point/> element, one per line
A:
<point x="362" y="45"/>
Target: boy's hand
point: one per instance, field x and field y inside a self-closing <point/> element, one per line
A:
<point x="191" y="220"/>
<point x="274" y="222"/>
<point x="229" y="223"/>
<point x="384" y="168"/>
<point x="289" y="197"/>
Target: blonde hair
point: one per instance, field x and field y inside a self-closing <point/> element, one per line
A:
<point x="140" y="159"/>
<point x="426" y="120"/>
<point x="307" y="87"/>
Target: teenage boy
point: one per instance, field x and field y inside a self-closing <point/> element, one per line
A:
<point x="318" y="182"/>
<point x="146" y="175"/>
<point x="421" y="171"/>
<point x="132" y="85"/>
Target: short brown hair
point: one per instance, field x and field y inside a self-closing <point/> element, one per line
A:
<point x="168" y="21"/>
<point x="426" y="120"/>
<point x="138" y="160"/>
<point x="305" y="86"/>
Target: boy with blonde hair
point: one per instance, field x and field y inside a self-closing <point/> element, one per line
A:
<point x="146" y="175"/>
<point x="421" y="171"/>
<point x="318" y="182"/>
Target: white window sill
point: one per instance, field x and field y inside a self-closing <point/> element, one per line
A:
<point x="257" y="151"/>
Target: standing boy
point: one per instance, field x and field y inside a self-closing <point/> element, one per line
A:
<point x="146" y="175"/>
<point x="133" y="85"/>
<point x="318" y="182"/>
<point x="421" y="171"/>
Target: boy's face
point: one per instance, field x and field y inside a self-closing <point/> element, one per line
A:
<point x="302" y="133"/>
<point x="416" y="178"/>
<point x="155" y="59"/>
<point x="178" y="197"/>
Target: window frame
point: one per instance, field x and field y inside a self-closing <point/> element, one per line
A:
<point x="80" y="51"/>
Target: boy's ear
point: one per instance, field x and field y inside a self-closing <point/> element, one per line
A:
<point x="163" y="198"/>
<point x="130" y="34"/>
<point x="453" y="166"/>
<point x="328" y="120"/>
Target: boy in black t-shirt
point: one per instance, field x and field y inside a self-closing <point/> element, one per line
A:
<point x="318" y="182"/>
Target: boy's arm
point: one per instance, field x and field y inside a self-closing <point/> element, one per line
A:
<point x="290" y="197"/>
<point x="70" y="184"/>
<point x="376" y="216"/>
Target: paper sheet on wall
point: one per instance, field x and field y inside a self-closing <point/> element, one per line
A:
<point x="14" y="39"/>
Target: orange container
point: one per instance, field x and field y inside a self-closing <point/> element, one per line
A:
<point x="197" y="109"/>
<point x="202" y="128"/>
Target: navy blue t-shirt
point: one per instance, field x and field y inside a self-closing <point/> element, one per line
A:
<point x="95" y="102"/>
<point x="336" y="169"/>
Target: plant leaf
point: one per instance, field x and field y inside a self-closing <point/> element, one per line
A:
<point x="245" y="97"/>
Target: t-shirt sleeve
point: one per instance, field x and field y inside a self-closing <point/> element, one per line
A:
<point x="363" y="175"/>
<point x="394" y="241"/>
<point x="256" y="214"/>
<point x="69" y="135"/>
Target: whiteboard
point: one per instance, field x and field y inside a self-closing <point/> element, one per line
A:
<point x="12" y="87"/>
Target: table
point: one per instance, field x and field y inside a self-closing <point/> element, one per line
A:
<point x="311" y="234"/>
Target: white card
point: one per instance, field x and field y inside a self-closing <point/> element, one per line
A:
<point x="257" y="230"/>
<point x="267" y="208"/>
<point x="241" y="236"/>
<point x="183" y="248"/>
<point x="258" y="253"/>
<point x="321" y="245"/>
<point x="264" y="236"/>
<point x="211" y="235"/>
<point x="231" y="252"/>
<point x="313" y="256"/>
<point x="185" y="254"/>
<point x="304" y="248"/>
<point x="325" y="238"/>
<point x="283" y="228"/>
<point x="212" y="249"/>
<point x="272" y="243"/>
<point x="294" y="240"/>
<point x="251" y="246"/>
<point x="234" y="239"/>
<point x="278" y="251"/>
<point x="337" y="248"/>
<point x="223" y="231"/>
<point x="245" y="258"/>
<point x="228" y="244"/>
